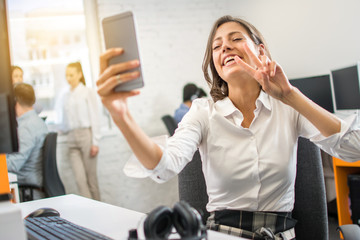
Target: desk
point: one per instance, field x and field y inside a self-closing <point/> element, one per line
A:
<point x="14" y="189"/>
<point x="110" y="220"/>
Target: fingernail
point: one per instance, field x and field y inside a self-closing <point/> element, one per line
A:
<point x="135" y="62"/>
<point x="118" y="79"/>
<point x="135" y="74"/>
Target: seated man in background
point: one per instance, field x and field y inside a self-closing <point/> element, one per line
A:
<point x="190" y="93"/>
<point x="32" y="130"/>
<point x="17" y="75"/>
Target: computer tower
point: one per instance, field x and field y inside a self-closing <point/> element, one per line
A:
<point x="354" y="195"/>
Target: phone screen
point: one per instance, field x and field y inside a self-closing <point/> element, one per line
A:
<point x="120" y="31"/>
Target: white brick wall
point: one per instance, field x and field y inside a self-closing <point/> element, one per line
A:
<point x="172" y="36"/>
<point x="306" y="37"/>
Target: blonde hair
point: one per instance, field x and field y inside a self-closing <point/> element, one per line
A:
<point x="78" y="67"/>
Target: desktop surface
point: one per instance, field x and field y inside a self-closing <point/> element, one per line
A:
<point x="112" y="221"/>
<point x="12" y="177"/>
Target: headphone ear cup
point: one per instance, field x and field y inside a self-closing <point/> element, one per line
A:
<point x="196" y="95"/>
<point x="186" y="222"/>
<point x="158" y="223"/>
<point x="193" y="97"/>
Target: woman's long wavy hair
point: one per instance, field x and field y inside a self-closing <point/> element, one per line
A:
<point x="218" y="87"/>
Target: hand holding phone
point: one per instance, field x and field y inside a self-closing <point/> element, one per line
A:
<point x="120" y="31"/>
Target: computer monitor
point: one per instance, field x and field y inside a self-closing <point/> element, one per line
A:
<point x="317" y="88"/>
<point x="346" y="85"/>
<point x="8" y="124"/>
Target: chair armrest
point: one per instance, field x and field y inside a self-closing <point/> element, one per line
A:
<point x="30" y="186"/>
<point x="350" y="231"/>
<point x="27" y="191"/>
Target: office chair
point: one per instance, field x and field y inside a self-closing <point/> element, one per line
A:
<point x="192" y="186"/>
<point x="310" y="207"/>
<point x="196" y="194"/>
<point x="170" y="124"/>
<point x="52" y="184"/>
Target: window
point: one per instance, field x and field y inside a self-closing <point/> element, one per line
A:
<point x="45" y="36"/>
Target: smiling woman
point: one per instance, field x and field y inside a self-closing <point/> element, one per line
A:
<point x="247" y="32"/>
<point x="247" y="134"/>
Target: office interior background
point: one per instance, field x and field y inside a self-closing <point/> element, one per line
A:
<point x="307" y="38"/>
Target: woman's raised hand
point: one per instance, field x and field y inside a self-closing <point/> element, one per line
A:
<point x="111" y="76"/>
<point x="269" y="74"/>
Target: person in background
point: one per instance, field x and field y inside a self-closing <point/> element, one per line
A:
<point x="247" y="133"/>
<point x="17" y="75"/>
<point x="32" y="130"/>
<point x="190" y="93"/>
<point x="81" y="119"/>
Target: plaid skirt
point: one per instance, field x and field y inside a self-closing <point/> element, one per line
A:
<point x="253" y="225"/>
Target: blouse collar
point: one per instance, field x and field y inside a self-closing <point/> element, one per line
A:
<point x="225" y="106"/>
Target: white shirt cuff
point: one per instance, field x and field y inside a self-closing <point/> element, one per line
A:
<point x="134" y="168"/>
<point x="332" y="140"/>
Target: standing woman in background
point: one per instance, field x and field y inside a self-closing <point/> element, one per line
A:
<point x="17" y="74"/>
<point x="81" y="117"/>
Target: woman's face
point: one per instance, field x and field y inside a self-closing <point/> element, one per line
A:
<point x="73" y="76"/>
<point x="17" y="76"/>
<point x="229" y="42"/>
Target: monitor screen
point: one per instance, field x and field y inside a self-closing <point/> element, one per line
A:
<point x="317" y="88"/>
<point x="8" y="126"/>
<point x="346" y="88"/>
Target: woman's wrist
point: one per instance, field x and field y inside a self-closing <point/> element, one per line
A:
<point x="292" y="97"/>
<point x="123" y="119"/>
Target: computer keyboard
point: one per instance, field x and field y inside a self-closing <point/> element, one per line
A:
<point x="55" y="227"/>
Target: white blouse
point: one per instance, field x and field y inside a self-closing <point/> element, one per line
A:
<point x="81" y="111"/>
<point x="251" y="168"/>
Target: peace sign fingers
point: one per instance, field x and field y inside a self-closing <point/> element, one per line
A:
<point x="253" y="58"/>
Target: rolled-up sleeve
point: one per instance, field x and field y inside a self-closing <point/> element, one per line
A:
<point x="178" y="150"/>
<point x="133" y="167"/>
<point x="345" y="144"/>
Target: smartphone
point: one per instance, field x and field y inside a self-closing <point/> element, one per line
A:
<point x="120" y="31"/>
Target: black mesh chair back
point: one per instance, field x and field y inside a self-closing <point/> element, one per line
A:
<point x="53" y="185"/>
<point x="310" y="209"/>
<point x="170" y="124"/>
<point x="192" y="186"/>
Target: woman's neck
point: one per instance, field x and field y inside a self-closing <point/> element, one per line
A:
<point x="244" y="96"/>
<point x="72" y="87"/>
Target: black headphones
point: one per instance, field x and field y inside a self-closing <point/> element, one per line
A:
<point x="186" y="220"/>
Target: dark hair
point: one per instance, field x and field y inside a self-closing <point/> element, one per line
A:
<point x="78" y="67"/>
<point x="191" y="92"/>
<point x="24" y="94"/>
<point x="14" y="67"/>
<point x="218" y="87"/>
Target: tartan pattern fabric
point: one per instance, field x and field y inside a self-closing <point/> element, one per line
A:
<point x="253" y="225"/>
